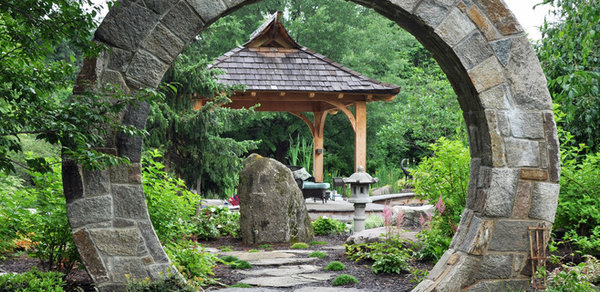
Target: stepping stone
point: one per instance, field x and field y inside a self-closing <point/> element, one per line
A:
<point x="298" y="251"/>
<point x="282" y="261"/>
<point x="335" y="247"/>
<point x="253" y="256"/>
<point x="328" y="289"/>
<point x="288" y="281"/>
<point x="282" y="271"/>
<point x="256" y="289"/>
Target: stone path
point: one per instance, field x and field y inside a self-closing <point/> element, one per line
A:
<point x="282" y="270"/>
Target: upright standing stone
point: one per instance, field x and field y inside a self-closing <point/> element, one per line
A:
<point x="272" y="207"/>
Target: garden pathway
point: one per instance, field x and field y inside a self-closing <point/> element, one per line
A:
<point x="283" y="270"/>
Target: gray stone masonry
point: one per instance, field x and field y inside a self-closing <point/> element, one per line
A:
<point x="478" y="43"/>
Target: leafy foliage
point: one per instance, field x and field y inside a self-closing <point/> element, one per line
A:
<point x="32" y="280"/>
<point x="328" y="226"/>
<point x="192" y="261"/>
<point x="389" y="256"/>
<point x="581" y="277"/>
<point x="213" y="222"/>
<point x="344" y="279"/>
<point x="570" y="56"/>
<point x="240" y="265"/>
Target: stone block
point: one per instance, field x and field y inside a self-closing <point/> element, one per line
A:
<point x="500" y="16"/>
<point x="113" y="78"/>
<point x="534" y="174"/>
<point x="158" y="271"/>
<point x="185" y="30"/>
<point x="89" y="210"/>
<point x="495" y="267"/>
<point x="473" y="176"/>
<point x="208" y="10"/>
<point x="152" y="244"/>
<point x="72" y="180"/>
<point x="463" y="228"/>
<point x="424" y="286"/>
<point x="441" y="266"/>
<point x="121" y="268"/>
<point x="433" y="12"/>
<point x="407" y="5"/>
<point x="126" y="26"/>
<point x="501" y="193"/>
<point x="526" y="124"/>
<point x="460" y="275"/>
<point x="473" y="50"/>
<point x="129" y="202"/>
<point x="483" y="23"/>
<point x="511" y="235"/>
<point x="521" y="152"/>
<point x="96" y="183"/>
<point x="501" y="285"/>
<point x="123" y="223"/>
<point x="233" y="3"/>
<point x="477" y="236"/>
<point x="519" y="263"/>
<point x="527" y="80"/>
<point x="544" y="201"/>
<point x="118" y="59"/>
<point x="455" y="27"/>
<point x="116" y="242"/>
<point x="131" y="146"/>
<point x="163" y="44"/>
<point x="501" y="49"/>
<point x="160" y="6"/>
<point x="487" y="74"/>
<point x="503" y="125"/>
<point x="89" y="256"/>
<point x="523" y="200"/>
<point x="552" y="147"/>
<point x="126" y="173"/>
<point x="146" y="69"/>
<point x="495" y="98"/>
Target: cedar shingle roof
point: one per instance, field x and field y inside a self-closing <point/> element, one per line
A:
<point x="272" y="61"/>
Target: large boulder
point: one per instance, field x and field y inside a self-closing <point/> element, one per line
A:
<point x="272" y="207"/>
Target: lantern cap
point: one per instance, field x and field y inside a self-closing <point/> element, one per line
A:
<point x="360" y="177"/>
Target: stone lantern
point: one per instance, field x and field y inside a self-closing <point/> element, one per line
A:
<point x="360" y="182"/>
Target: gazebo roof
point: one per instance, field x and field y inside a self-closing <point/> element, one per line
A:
<point x="272" y="61"/>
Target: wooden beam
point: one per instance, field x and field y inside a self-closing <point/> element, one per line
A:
<point x="311" y="95"/>
<point x="253" y="93"/>
<point x="282" y="93"/>
<point x="360" y="136"/>
<point x="346" y="111"/>
<point x="340" y="96"/>
<point x="306" y="120"/>
<point x="318" y="150"/>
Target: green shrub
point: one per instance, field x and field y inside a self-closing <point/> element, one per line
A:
<point x="299" y="245"/>
<point x="33" y="280"/>
<point x="225" y="248"/>
<point x="443" y="178"/>
<point x="335" y="266"/>
<point x="241" y="265"/>
<point x="229" y="258"/>
<point x="328" y="226"/>
<point x="194" y="263"/>
<point x="213" y="222"/>
<point x="374" y="221"/>
<point x="318" y="242"/>
<point x="344" y="279"/>
<point x="170" y="283"/>
<point x="581" y="277"/>
<point x="170" y="205"/>
<point x="35" y="218"/>
<point x="317" y="254"/>
<point x="388" y="257"/>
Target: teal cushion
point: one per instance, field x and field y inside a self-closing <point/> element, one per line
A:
<point x="313" y="186"/>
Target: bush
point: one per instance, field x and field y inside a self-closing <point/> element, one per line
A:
<point x="33" y="280"/>
<point x="374" y="221"/>
<point x="35" y="218"/>
<point x="443" y="178"/>
<point x="213" y="222"/>
<point x="344" y="279"/>
<point x="299" y="245"/>
<point x="328" y="226"/>
<point x="170" y="205"/>
<point x="388" y="257"/>
<point x="192" y="262"/>
<point x="317" y="254"/>
<point x="229" y="258"/>
<point x="169" y="283"/>
<point x="318" y="242"/>
<point x="241" y="265"/>
<point x="335" y="266"/>
<point x="581" y="277"/>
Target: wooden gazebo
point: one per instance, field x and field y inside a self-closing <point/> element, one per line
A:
<point x="283" y="76"/>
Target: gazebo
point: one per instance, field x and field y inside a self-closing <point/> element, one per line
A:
<point x="282" y="76"/>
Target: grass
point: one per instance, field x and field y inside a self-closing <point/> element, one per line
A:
<point x="253" y="250"/>
<point x="300" y="245"/>
<point x="266" y="246"/>
<point x="229" y="258"/>
<point x="240" y="285"/>
<point x="241" y="265"/>
<point x="225" y="248"/>
<point x="344" y="279"/>
<point x="335" y="266"/>
<point x="318" y="242"/>
<point x="317" y="254"/>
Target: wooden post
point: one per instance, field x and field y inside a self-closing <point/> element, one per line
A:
<point x="360" y="135"/>
<point x="319" y="125"/>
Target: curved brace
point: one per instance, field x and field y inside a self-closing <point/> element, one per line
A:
<point x="346" y="111"/>
<point x="306" y="120"/>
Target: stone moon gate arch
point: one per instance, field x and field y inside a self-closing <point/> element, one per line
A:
<point x="478" y="44"/>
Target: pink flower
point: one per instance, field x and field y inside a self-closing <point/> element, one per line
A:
<point x="400" y="218"/>
<point x="422" y="220"/>
<point x="387" y="215"/>
<point x="440" y="205"/>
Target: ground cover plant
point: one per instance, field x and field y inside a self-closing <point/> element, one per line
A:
<point x="32" y="280"/>
<point x="344" y="279"/>
<point x="335" y="266"/>
<point x="299" y="245"/>
<point x="317" y="254"/>
<point x="328" y="226"/>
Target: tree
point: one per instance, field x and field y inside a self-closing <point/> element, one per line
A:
<point x="570" y="56"/>
<point x="31" y="76"/>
